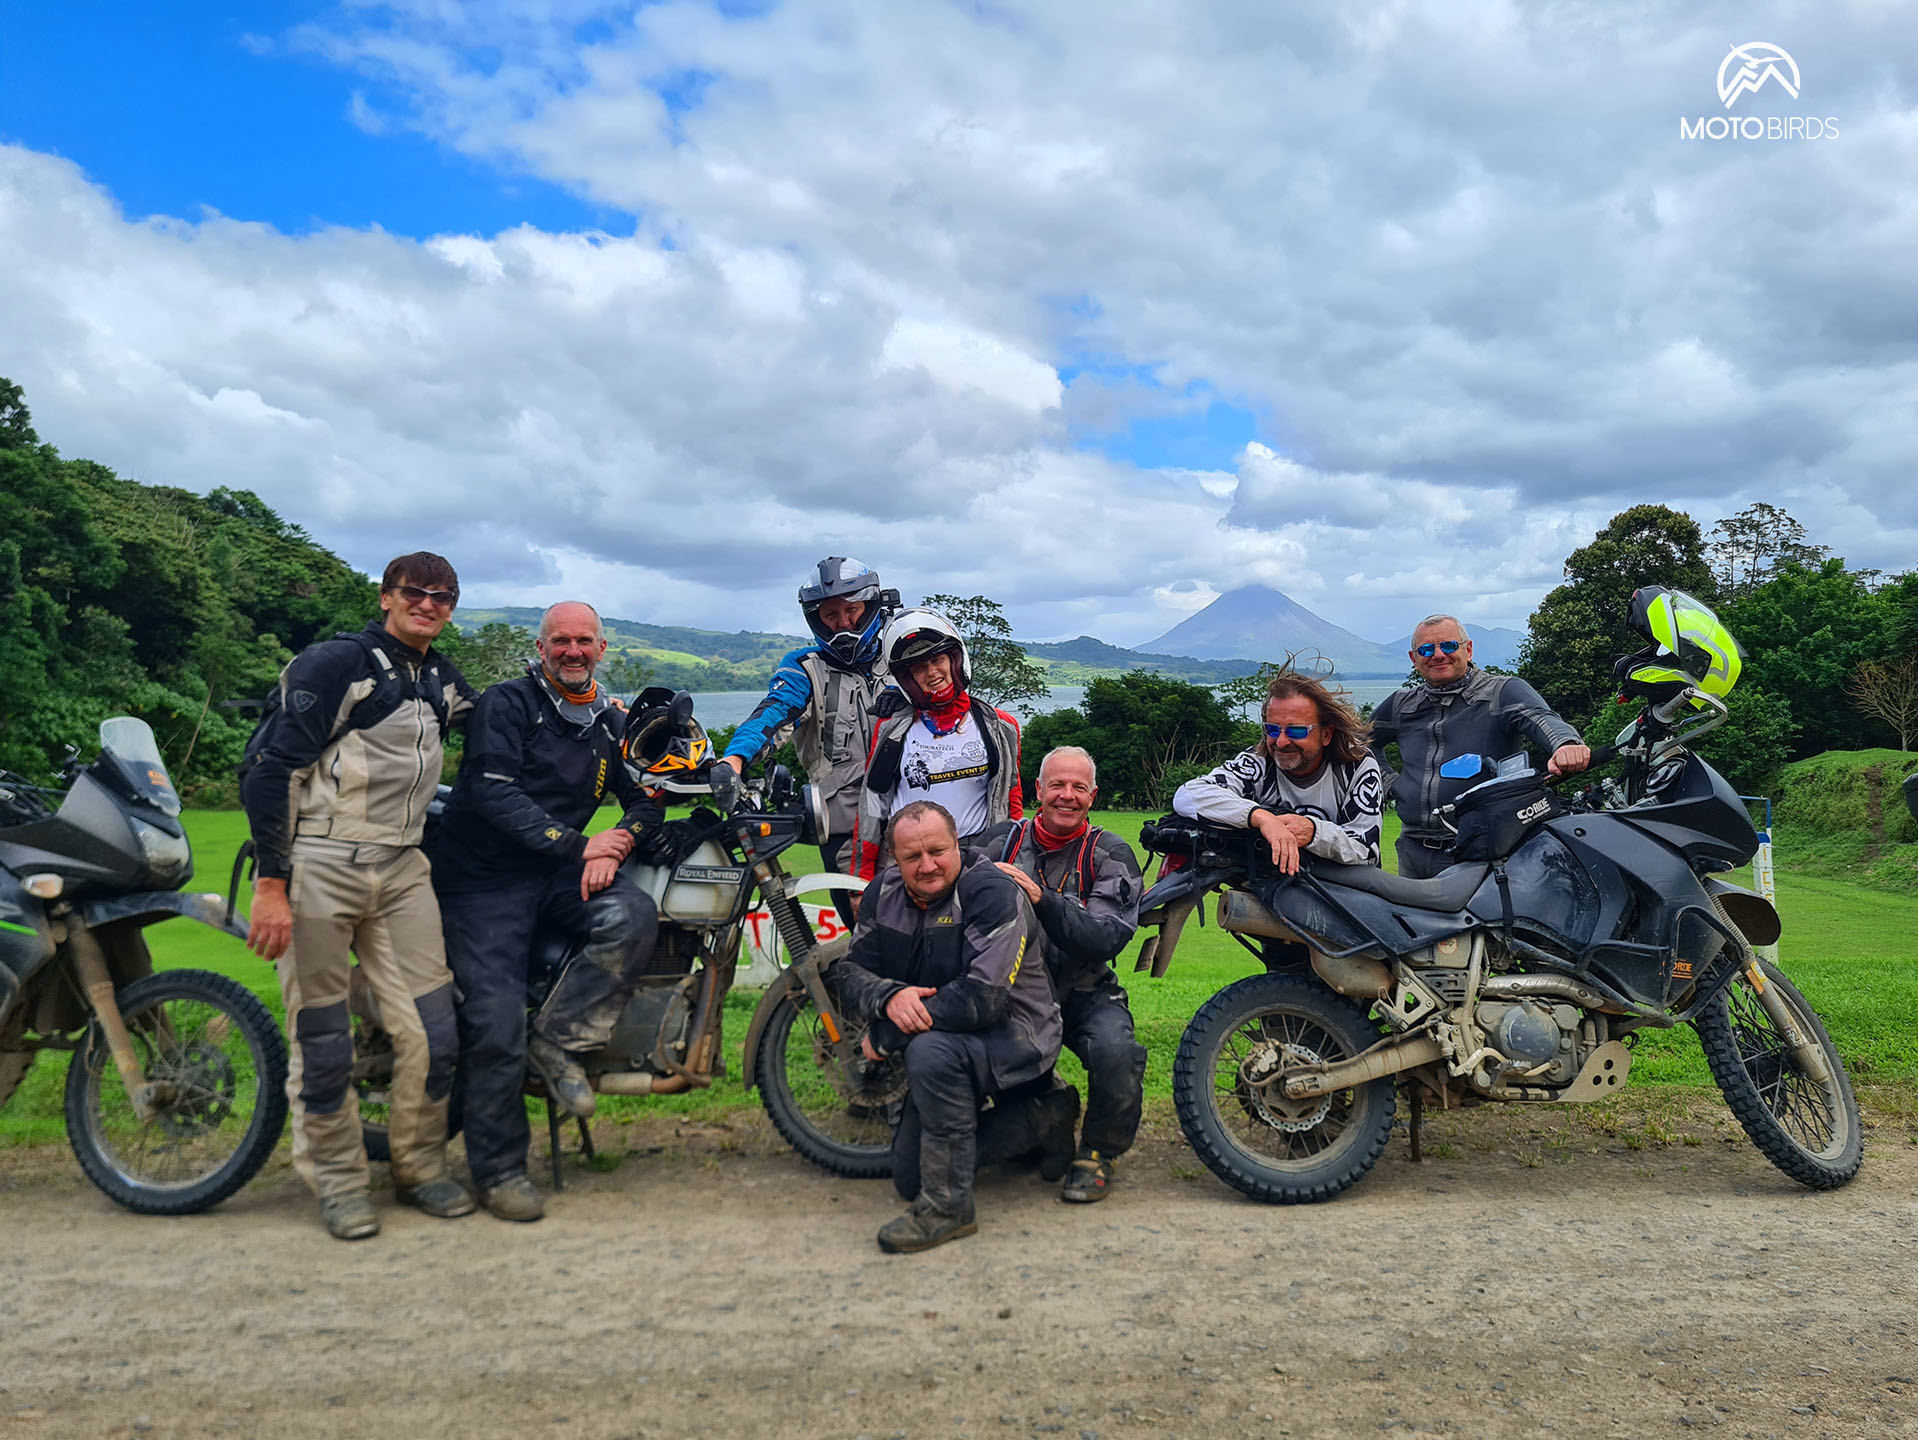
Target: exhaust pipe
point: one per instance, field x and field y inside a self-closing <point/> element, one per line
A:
<point x="638" y="1082"/>
<point x="1374" y="1064"/>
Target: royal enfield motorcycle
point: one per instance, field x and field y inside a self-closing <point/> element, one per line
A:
<point x="1522" y="975"/>
<point x="834" y="1107"/>
<point x="176" y="1092"/>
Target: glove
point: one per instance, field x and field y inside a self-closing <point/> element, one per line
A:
<point x="664" y="845"/>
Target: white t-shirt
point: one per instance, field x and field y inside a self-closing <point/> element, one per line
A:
<point x="947" y="769"/>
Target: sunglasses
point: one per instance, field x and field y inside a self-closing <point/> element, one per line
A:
<point x="1290" y="732"/>
<point x="1450" y="647"/>
<point x="413" y="594"/>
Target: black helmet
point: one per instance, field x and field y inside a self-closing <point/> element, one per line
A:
<point x="838" y="578"/>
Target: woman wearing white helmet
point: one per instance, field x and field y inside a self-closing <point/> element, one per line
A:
<point x="934" y="740"/>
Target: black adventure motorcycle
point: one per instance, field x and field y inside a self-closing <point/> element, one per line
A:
<point x="176" y="1093"/>
<point x="1518" y="974"/>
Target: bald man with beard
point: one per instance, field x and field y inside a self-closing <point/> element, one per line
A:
<point x="511" y="857"/>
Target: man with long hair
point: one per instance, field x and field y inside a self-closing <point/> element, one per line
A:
<point x="1309" y="785"/>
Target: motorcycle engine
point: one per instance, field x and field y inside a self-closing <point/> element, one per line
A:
<point x="1532" y="1034"/>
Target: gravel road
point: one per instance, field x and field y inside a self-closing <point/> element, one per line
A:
<point x="1627" y="1271"/>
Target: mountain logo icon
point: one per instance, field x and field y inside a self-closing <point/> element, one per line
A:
<point x="1748" y="68"/>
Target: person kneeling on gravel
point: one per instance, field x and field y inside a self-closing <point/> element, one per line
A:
<point x="1083" y="884"/>
<point x="940" y="971"/>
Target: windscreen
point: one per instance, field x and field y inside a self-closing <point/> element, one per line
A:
<point x="130" y="745"/>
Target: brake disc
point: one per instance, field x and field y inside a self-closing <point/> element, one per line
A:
<point x="1262" y="1091"/>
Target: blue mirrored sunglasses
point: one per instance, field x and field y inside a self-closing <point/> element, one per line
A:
<point x="1450" y="647"/>
<point x="1290" y="732"/>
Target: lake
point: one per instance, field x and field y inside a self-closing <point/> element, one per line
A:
<point x="717" y="708"/>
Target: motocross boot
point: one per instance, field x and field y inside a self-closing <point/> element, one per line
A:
<point x="350" y="1216"/>
<point x="442" y="1197"/>
<point x="1090" y="1180"/>
<point x="514" y="1198"/>
<point x="924" y="1226"/>
<point x="565" y="1080"/>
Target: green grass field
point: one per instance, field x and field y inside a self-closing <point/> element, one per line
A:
<point x="1852" y="950"/>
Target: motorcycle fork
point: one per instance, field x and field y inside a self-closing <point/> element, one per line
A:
<point x="1806" y="1051"/>
<point x="90" y="964"/>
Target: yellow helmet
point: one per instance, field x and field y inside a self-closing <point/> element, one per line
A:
<point x="1689" y="646"/>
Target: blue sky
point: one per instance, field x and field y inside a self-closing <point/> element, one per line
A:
<point x="196" y="104"/>
<point x="1101" y="307"/>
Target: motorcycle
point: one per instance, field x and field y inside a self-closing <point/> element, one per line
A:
<point x="176" y="1092"/>
<point x="1520" y="976"/>
<point x="830" y="1104"/>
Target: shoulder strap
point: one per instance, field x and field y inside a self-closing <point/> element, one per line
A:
<point x="1015" y="840"/>
<point x="1088" y="861"/>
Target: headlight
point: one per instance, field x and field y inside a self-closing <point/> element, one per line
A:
<point x="167" y="856"/>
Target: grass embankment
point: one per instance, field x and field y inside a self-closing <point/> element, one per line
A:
<point x="1853" y="950"/>
<point x="1842" y="815"/>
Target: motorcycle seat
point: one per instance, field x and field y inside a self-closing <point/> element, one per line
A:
<point x="1449" y="891"/>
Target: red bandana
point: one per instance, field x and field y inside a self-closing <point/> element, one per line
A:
<point x="945" y="718"/>
<point x="1049" y="842"/>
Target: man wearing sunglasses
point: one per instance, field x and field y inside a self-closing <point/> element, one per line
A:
<point x="1308" y="787"/>
<point x="336" y="786"/>
<point x="1453" y="709"/>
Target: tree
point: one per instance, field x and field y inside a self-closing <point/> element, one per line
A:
<point x="1754" y="545"/>
<point x="1887" y="690"/>
<point x="16" y="424"/>
<point x="1146" y="732"/>
<point x="494" y="652"/>
<point x="1583" y="624"/>
<point x="624" y="672"/>
<point x="1000" y="671"/>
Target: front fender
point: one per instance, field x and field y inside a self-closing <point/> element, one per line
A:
<point x="793" y="978"/>
<point x="1755" y="916"/>
<point x="144" y="907"/>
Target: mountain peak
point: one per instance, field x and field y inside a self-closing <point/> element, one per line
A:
<point x="1258" y="622"/>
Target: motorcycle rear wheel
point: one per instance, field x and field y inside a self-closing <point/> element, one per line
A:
<point x="841" y="1122"/>
<point x="1284" y="1152"/>
<point x="211" y="1041"/>
<point x="1808" y="1129"/>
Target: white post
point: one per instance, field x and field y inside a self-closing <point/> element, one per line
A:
<point x="1764" y="881"/>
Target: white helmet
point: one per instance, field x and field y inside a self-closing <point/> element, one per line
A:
<point x="915" y="635"/>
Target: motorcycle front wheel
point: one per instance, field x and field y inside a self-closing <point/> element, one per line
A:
<point x="1225" y="1085"/>
<point x="1808" y="1128"/>
<point x="218" y="1065"/>
<point x="840" y="1118"/>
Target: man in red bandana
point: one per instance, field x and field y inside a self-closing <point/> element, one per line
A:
<point x="934" y="740"/>
<point x="1084" y="885"/>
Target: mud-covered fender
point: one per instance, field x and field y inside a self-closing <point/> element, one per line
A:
<point x="790" y="979"/>
<point x="144" y="907"/>
<point x="1755" y="916"/>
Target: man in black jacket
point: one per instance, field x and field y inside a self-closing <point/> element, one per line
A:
<point x="1083" y="884"/>
<point x="940" y="970"/>
<point x="1456" y="709"/>
<point x="542" y="751"/>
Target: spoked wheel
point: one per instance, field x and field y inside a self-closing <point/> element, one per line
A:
<point x="1807" y="1127"/>
<point x="839" y="1116"/>
<point x="217" y="1066"/>
<point x="1226" y="1084"/>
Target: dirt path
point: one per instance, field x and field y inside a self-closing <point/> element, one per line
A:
<point x="1593" y="1274"/>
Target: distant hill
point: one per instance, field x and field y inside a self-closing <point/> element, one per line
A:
<point x="1073" y="662"/>
<point x="1256" y="622"/>
<point x="677" y="655"/>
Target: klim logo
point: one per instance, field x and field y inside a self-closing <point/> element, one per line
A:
<point x="1751" y="70"/>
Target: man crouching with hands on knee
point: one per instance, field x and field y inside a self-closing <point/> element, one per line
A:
<point x="940" y="969"/>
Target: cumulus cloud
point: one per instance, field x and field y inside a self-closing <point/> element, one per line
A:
<point x="1455" y="258"/>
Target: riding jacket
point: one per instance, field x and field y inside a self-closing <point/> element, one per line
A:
<point x="973" y="945"/>
<point x="1489" y="715"/>
<point x="1344" y="802"/>
<point x="537" y="766"/>
<point x="997" y="768"/>
<point x="826" y="709"/>
<point x="323" y="777"/>
<point x="1088" y="906"/>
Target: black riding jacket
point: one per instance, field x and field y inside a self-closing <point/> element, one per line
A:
<point x="1084" y="927"/>
<point x="1489" y="715"/>
<point x="529" y="784"/>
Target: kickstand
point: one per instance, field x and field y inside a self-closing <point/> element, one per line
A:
<point x="1416" y="1123"/>
<point x="552" y="1132"/>
<point x="585" y="1140"/>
